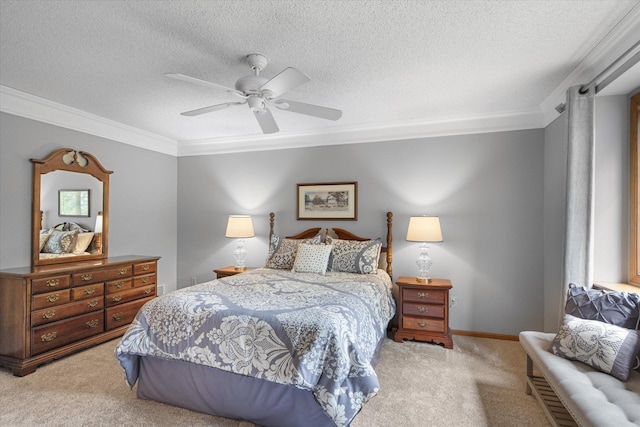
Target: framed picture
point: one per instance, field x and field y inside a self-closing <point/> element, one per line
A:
<point x="329" y="200"/>
<point x="73" y="203"/>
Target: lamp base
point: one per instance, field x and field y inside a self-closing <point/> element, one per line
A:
<point x="240" y="268"/>
<point x="423" y="279"/>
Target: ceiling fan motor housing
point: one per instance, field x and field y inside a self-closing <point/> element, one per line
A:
<point x="250" y="84"/>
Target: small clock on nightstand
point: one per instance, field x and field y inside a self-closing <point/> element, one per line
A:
<point x="424" y="311"/>
<point x="229" y="270"/>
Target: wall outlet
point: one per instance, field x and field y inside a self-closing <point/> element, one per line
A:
<point x="160" y="289"/>
<point x="453" y="302"/>
<point x="193" y="281"/>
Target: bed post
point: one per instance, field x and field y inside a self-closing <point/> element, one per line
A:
<point x="271" y="222"/>
<point x="389" y="244"/>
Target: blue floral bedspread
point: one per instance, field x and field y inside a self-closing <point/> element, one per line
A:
<point x="318" y="333"/>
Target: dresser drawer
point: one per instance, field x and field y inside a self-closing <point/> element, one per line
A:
<point x="65" y="332"/>
<point x="143" y="268"/>
<point x="119" y="272"/>
<point x="119" y="285"/>
<point x="130" y="295"/>
<point x="423" y="324"/>
<point x="64" y="311"/>
<point x="425" y="295"/>
<point x="49" y="284"/>
<point x="50" y="299"/>
<point x="123" y="314"/>
<point x="427" y="310"/>
<point x="149" y="279"/>
<point x="88" y="291"/>
<point x="87" y="278"/>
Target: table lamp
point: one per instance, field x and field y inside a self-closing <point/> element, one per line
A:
<point x="239" y="227"/>
<point x="424" y="229"/>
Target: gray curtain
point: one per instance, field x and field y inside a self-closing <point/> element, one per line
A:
<point x="578" y="248"/>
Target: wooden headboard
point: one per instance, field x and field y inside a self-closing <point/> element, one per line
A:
<point x="344" y="235"/>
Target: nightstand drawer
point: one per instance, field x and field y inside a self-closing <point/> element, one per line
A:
<point x="425" y="295"/>
<point x="423" y="324"/>
<point x="427" y="310"/>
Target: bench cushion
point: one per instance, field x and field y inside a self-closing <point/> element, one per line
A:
<point x="593" y="398"/>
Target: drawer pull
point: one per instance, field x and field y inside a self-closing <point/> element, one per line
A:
<point x="53" y="298"/>
<point x="86" y="277"/>
<point x="145" y="267"/>
<point x="49" y="337"/>
<point x="147" y="291"/>
<point x="119" y="285"/>
<point x="48" y="314"/>
<point x="144" y="279"/>
<point x="117" y="316"/>
<point x="93" y="323"/>
<point x="422" y="324"/>
<point x="423" y="294"/>
<point x="92" y="303"/>
<point x="422" y="308"/>
<point x="122" y="271"/>
<point x="89" y="291"/>
<point x="117" y="298"/>
<point x="53" y="282"/>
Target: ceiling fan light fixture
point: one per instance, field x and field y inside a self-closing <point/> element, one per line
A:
<point x="256" y="103"/>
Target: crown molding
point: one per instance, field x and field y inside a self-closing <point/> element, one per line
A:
<point x="615" y="44"/>
<point x="390" y="131"/>
<point x="22" y="104"/>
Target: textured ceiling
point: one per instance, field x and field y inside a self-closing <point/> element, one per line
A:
<point x="383" y="63"/>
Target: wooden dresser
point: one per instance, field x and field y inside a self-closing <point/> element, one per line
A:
<point x="424" y="311"/>
<point x="48" y="312"/>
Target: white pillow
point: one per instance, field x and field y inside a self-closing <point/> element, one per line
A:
<point x="312" y="258"/>
<point x="83" y="242"/>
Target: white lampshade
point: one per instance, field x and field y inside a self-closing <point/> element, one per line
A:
<point x="239" y="227"/>
<point x="424" y="229"/>
<point x="98" y="228"/>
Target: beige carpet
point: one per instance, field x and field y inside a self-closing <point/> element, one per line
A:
<point x="478" y="383"/>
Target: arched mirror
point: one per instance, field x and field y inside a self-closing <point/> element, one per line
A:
<point x="70" y="208"/>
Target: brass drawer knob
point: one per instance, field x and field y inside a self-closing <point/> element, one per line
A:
<point x="117" y="298"/>
<point x="49" y="314"/>
<point x="49" y="337"/>
<point x="422" y="308"/>
<point x="119" y="285"/>
<point x="122" y="271"/>
<point x="92" y="303"/>
<point x="53" y="298"/>
<point x="147" y="291"/>
<point x="423" y="294"/>
<point x="86" y="277"/>
<point x="422" y="324"/>
<point x="145" y="267"/>
<point x="144" y="279"/>
<point x="53" y="282"/>
<point x="89" y="291"/>
<point x="117" y="316"/>
<point x="92" y="324"/>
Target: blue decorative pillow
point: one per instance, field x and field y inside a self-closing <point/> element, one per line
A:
<point x="353" y="256"/>
<point x="607" y="348"/>
<point x="282" y="251"/>
<point x="617" y="308"/>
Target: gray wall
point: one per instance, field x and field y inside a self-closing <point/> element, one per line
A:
<point x="486" y="188"/>
<point x="142" y="188"/>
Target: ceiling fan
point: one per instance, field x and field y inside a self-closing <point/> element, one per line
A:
<point x="259" y="93"/>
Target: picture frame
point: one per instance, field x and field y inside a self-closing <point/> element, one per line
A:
<point x="73" y="203"/>
<point x="327" y="201"/>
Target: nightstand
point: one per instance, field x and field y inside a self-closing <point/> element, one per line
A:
<point x="229" y="270"/>
<point x="424" y="311"/>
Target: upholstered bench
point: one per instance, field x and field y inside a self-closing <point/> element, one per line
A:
<point x="591" y="398"/>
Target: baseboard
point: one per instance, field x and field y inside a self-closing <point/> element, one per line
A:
<point x="485" y="335"/>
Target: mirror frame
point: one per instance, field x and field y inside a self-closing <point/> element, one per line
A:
<point x="68" y="159"/>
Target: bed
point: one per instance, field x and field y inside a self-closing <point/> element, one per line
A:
<point x="273" y="346"/>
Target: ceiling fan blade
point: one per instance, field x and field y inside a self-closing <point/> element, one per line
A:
<point x="285" y="81"/>
<point x="266" y="121"/>
<point x="188" y="79"/>
<point x="309" y="109"/>
<point x="210" y="109"/>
